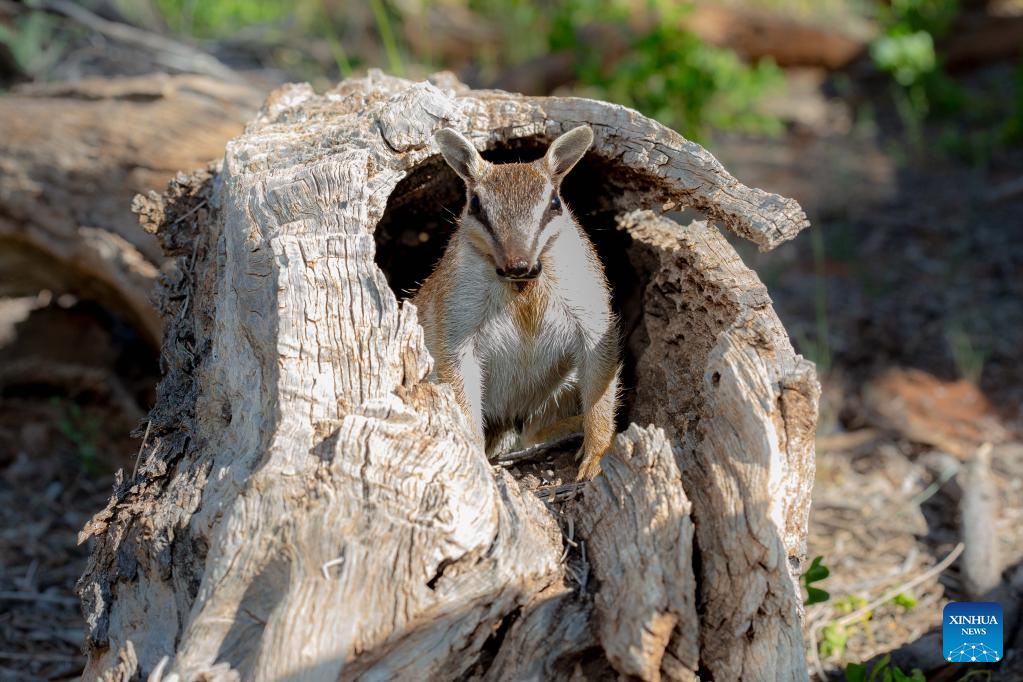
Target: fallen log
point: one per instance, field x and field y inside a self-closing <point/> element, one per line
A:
<point x="829" y="42"/>
<point x="72" y="156"/>
<point x="310" y="505"/>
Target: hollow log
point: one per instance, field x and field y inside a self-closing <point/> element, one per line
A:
<point x="309" y="505"/>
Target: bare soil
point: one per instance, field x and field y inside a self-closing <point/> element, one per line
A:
<point x="917" y="269"/>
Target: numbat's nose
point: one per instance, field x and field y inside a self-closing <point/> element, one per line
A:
<point x="519" y="269"/>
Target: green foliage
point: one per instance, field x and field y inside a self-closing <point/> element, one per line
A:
<point x="993" y="120"/>
<point x="671" y="75"/>
<point x="664" y="70"/>
<point x="814" y="574"/>
<point x="923" y="91"/>
<point x="1012" y="131"/>
<point x="220" y="18"/>
<point x="833" y="640"/>
<point x="386" y="33"/>
<point x="883" y="671"/>
<point x="906" y="601"/>
<point x="660" y="68"/>
<point x="905" y="47"/>
<point x="900" y="17"/>
<point x="34" y="42"/>
<point x="82" y="430"/>
<point x="908" y="56"/>
<point x="850" y="603"/>
<point x="283" y="26"/>
<point x="906" y="50"/>
<point x="834" y="636"/>
<point x="690" y="86"/>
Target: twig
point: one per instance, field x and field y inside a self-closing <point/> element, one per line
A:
<point x="560" y="492"/>
<point x="1006" y="190"/>
<point x="540" y="450"/>
<point x="927" y="493"/>
<point x="186" y="214"/>
<point x="887" y="596"/>
<point x="571" y="532"/>
<point x="30" y="573"/>
<point x="846" y="440"/>
<point x="982" y="566"/>
<point x="585" y="568"/>
<point x="166" y="52"/>
<point x="327" y="565"/>
<point x="157" y="674"/>
<point x="141" y="448"/>
<point x="905" y="567"/>
<point x="569" y="539"/>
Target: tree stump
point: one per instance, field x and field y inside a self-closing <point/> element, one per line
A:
<point x="310" y="506"/>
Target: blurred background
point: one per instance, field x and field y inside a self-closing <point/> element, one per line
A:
<point x="897" y="124"/>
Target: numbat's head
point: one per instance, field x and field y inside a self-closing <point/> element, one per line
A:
<point x="513" y="211"/>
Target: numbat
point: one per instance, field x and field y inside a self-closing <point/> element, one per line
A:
<point x="517" y="313"/>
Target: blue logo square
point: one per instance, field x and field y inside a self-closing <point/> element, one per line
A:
<point x="971" y="632"/>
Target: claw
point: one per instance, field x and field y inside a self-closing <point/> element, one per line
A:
<point x="589" y="468"/>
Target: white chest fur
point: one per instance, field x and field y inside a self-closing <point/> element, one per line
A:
<point x="528" y="343"/>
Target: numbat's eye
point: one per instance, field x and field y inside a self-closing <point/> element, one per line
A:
<point x="474" y="204"/>
<point x="555" y="203"/>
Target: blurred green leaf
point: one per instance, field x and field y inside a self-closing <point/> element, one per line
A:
<point x="34" y="42"/>
<point x="906" y="56"/>
<point x="833" y="640"/>
<point x="883" y="671"/>
<point x="664" y="71"/>
<point x="816" y="572"/>
<point x="906" y="601"/>
<point x="855" y="672"/>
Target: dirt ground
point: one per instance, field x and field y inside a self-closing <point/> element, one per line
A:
<point x="73" y="383"/>
<point x="917" y="263"/>
<point x="916" y="280"/>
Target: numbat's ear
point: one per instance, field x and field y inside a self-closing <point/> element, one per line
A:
<point x="566" y="151"/>
<point x="460" y="154"/>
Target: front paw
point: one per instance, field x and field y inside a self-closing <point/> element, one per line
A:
<point x="590" y="466"/>
<point x="503" y="443"/>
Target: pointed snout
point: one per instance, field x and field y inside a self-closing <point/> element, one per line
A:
<point x="519" y="270"/>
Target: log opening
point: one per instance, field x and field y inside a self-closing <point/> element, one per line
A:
<point x="420" y="219"/>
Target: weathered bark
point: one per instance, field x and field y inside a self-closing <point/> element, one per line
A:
<point x="309" y="504"/>
<point x="71" y="158"/>
<point x="718" y="371"/>
<point x="642" y="559"/>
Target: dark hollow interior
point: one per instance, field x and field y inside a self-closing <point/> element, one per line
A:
<point x="422" y="210"/>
